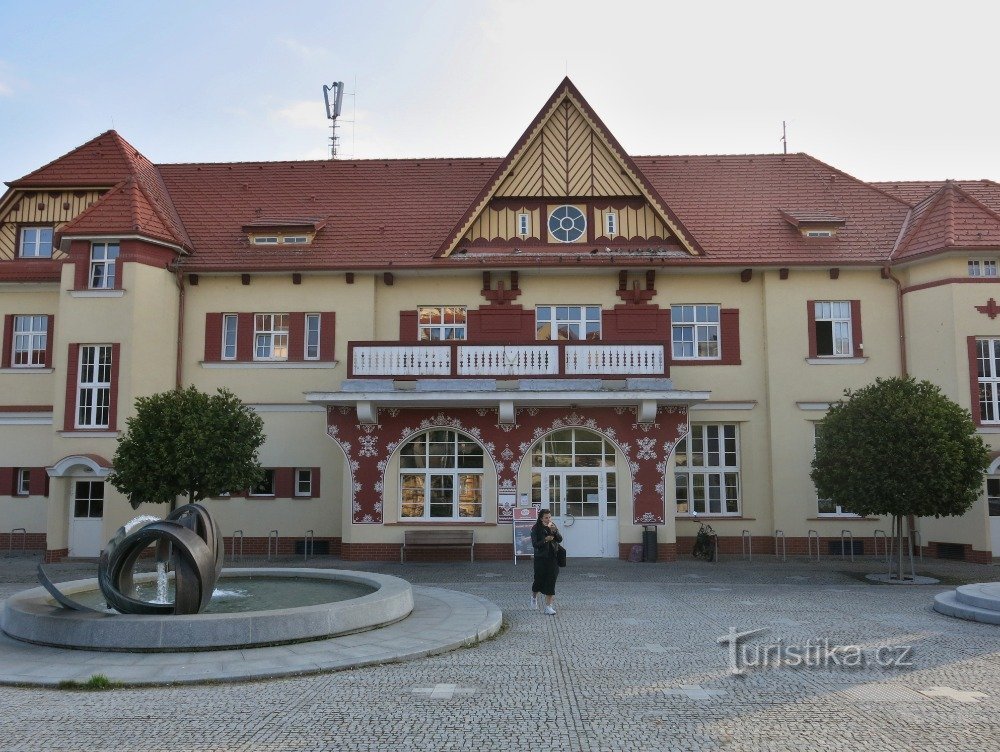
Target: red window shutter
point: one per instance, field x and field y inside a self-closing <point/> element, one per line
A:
<point x="36" y="481"/>
<point x="50" y="335"/>
<point x="213" y="337"/>
<point x="297" y="336"/>
<point x="7" y="481"/>
<point x="284" y="482"/>
<point x="977" y="416"/>
<point x="116" y="350"/>
<point x="856" y="341"/>
<point x="315" y="483"/>
<point x="244" y="337"/>
<point x="327" y="335"/>
<point x="811" y="323"/>
<point x="72" y="364"/>
<point x="8" y="340"/>
<point x="730" y="333"/>
<point x="408" y="326"/>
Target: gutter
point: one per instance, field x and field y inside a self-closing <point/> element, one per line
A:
<point x="181" y="300"/>
<point x="887" y="274"/>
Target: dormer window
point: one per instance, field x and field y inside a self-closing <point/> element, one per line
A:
<point x="813" y="224"/>
<point x="36" y="242"/>
<point x="283" y="231"/>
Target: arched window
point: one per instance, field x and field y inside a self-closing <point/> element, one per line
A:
<point x="441" y="477"/>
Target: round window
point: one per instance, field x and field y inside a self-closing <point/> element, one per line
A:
<point x="566" y="224"/>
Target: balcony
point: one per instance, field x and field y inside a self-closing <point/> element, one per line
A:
<point x="462" y="360"/>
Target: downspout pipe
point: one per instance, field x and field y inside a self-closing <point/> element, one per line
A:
<point x="181" y="299"/>
<point x="901" y="322"/>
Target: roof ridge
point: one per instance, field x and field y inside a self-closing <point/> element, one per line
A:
<point x="975" y="201"/>
<point x="854" y="179"/>
<point x="927" y="204"/>
<point x="154" y="206"/>
<point x="327" y="161"/>
<point x="64" y="155"/>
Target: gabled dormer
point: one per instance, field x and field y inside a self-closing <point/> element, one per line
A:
<point x="568" y="183"/>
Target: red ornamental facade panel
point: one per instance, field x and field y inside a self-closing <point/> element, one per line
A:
<point x="368" y="448"/>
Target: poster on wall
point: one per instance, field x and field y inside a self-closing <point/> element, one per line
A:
<point x="524" y="520"/>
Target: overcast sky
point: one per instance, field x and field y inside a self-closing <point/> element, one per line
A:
<point x="883" y="90"/>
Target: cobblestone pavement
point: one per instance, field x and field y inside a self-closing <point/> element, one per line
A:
<point x="631" y="662"/>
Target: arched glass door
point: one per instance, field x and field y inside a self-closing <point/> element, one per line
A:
<point x="573" y="474"/>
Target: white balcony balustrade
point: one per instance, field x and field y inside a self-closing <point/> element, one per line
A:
<point x="385" y="360"/>
<point x="508" y="360"/>
<point x="602" y="360"/>
<point x="402" y="360"/>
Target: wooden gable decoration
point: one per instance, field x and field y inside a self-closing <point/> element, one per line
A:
<point x="568" y="152"/>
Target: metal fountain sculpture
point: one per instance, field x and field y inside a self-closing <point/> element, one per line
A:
<point x="187" y="542"/>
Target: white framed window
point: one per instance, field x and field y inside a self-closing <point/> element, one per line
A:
<point x="303" y="481"/>
<point x="988" y="359"/>
<point x="103" y="263"/>
<point x="270" y="336"/>
<point x="982" y="267"/>
<point x="993" y="496"/>
<point x="294" y="240"/>
<point x="568" y="323"/>
<point x="265" y="240"/>
<point x="22" y="481"/>
<point x="442" y="322"/>
<point x="36" y="242"/>
<point x="827" y="507"/>
<point x="833" y="328"/>
<point x="707" y="473"/>
<point x="819" y="233"/>
<point x="30" y="340"/>
<point x="229" y="323"/>
<point x="611" y="224"/>
<point x="524" y="224"/>
<point x="312" y="337"/>
<point x="695" y="332"/>
<point x="93" y="402"/>
<point x="441" y="477"/>
<point x="266" y="485"/>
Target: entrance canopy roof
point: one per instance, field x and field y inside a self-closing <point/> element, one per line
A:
<point x="368" y="395"/>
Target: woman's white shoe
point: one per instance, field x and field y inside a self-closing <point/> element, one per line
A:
<point x="550" y="611"/>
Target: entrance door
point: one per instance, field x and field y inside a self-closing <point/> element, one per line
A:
<point x="86" y="524"/>
<point x="573" y="474"/>
<point x="993" y="500"/>
<point x="585" y="509"/>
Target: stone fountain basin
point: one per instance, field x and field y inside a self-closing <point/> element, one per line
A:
<point x="33" y="616"/>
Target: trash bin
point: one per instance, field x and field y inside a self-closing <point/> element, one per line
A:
<point x="649" y="543"/>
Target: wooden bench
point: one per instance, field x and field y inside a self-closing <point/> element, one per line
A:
<point x="438" y="539"/>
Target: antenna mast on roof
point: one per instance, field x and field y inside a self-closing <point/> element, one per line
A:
<point x="333" y="105"/>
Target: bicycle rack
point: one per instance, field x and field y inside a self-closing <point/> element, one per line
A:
<point x="885" y="542"/>
<point x="272" y="536"/>
<point x="308" y="545"/>
<point x="237" y="534"/>
<point x="810" y="536"/>
<point x="780" y="535"/>
<point x="746" y="543"/>
<point x="919" y="544"/>
<point x="846" y="535"/>
<point x="24" y="541"/>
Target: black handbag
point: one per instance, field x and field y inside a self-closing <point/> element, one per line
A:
<point x="560" y="555"/>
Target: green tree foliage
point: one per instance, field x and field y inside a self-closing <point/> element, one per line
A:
<point x="188" y="443"/>
<point x="899" y="447"/>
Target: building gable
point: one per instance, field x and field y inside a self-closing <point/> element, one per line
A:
<point x="567" y="156"/>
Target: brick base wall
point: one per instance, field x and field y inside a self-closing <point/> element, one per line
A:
<point x="257" y="546"/>
<point x="794" y="546"/>
<point x="390" y="552"/>
<point x="30" y="542"/>
<point x="55" y="554"/>
<point x="968" y="553"/>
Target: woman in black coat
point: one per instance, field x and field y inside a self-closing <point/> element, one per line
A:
<point x="545" y="538"/>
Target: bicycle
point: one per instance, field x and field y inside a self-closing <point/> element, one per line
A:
<point x="705" y="543"/>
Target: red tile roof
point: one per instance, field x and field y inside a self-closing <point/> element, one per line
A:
<point x="399" y="213"/>
<point x="948" y="218"/>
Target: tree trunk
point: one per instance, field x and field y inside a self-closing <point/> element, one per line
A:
<point x="897" y="524"/>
